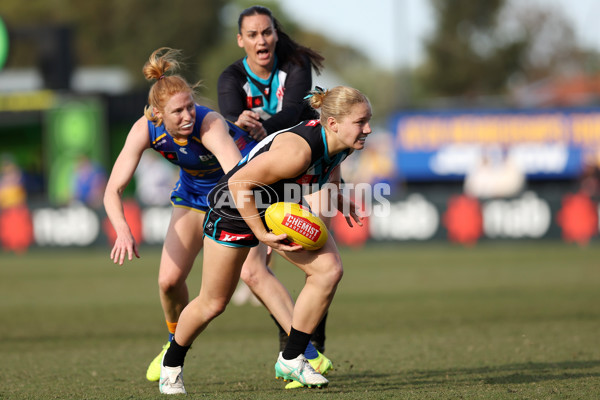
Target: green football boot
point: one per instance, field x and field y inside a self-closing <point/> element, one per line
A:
<point x="153" y="372"/>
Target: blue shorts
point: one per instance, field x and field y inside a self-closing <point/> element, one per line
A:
<point x="180" y="197"/>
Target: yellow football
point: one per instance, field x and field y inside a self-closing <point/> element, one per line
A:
<point x="301" y="225"/>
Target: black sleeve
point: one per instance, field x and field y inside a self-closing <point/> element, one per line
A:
<point x="232" y="99"/>
<point x="297" y="85"/>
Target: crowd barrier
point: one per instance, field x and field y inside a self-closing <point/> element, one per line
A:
<point x="413" y="216"/>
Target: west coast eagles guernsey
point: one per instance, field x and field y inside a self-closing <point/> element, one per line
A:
<point x="199" y="168"/>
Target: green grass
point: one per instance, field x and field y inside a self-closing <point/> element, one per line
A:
<point x="410" y="321"/>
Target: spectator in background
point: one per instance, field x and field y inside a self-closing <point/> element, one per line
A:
<point x="12" y="184"/>
<point x="496" y="176"/>
<point x="16" y="228"/>
<point x="590" y="177"/>
<point x="89" y="182"/>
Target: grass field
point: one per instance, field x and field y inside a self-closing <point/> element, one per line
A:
<point x="427" y="321"/>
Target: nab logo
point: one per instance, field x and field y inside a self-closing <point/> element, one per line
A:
<point x="313" y="122"/>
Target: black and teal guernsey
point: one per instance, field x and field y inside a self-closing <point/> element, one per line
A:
<point x="310" y="180"/>
<point x="279" y="99"/>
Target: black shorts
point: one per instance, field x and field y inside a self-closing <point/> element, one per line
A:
<point x="230" y="232"/>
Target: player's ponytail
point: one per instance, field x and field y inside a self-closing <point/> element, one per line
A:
<point x="315" y="97"/>
<point x="335" y="102"/>
<point x="155" y="69"/>
<point x="159" y="62"/>
<point x="287" y="48"/>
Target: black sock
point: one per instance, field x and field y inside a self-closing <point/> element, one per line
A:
<point x="318" y="337"/>
<point x="283" y="336"/>
<point x="175" y="355"/>
<point x="296" y="344"/>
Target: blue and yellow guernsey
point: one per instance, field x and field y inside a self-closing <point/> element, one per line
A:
<point x="199" y="168"/>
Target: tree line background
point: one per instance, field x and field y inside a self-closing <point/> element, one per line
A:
<point x="477" y="53"/>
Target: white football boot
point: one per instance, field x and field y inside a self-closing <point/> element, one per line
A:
<point x="171" y="380"/>
<point x="299" y="370"/>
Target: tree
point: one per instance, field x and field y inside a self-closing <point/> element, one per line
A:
<point x="464" y="56"/>
<point x="552" y="47"/>
<point x="481" y="48"/>
<point x="117" y="32"/>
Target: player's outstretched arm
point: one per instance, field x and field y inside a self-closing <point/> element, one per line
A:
<point x="122" y="172"/>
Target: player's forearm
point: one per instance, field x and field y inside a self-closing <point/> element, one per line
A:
<point x="113" y="205"/>
<point x="245" y="202"/>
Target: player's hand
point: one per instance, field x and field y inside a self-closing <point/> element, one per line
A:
<point x="125" y="245"/>
<point x="279" y="242"/>
<point x="258" y="134"/>
<point x="249" y="120"/>
<point x="349" y="210"/>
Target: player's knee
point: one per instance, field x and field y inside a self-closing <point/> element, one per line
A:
<point x="247" y="276"/>
<point x="251" y="274"/>
<point x="335" y="273"/>
<point x="330" y="277"/>
<point x="169" y="283"/>
<point x="216" y="307"/>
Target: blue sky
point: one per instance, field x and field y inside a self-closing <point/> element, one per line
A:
<point x="372" y="26"/>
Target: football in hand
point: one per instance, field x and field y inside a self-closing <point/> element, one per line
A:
<point x="301" y="225"/>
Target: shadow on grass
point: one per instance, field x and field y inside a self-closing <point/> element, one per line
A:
<point x="431" y="380"/>
<point x="521" y="373"/>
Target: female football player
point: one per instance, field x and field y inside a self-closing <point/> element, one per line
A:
<point x="203" y="145"/>
<point x="308" y="153"/>
<point x="263" y="93"/>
